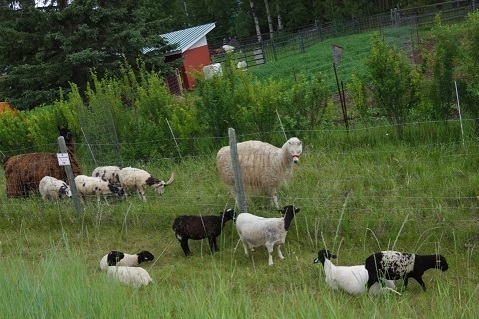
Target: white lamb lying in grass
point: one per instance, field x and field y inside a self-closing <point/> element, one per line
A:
<point x="118" y="258"/>
<point x="132" y="276"/>
<point x="351" y="279"/>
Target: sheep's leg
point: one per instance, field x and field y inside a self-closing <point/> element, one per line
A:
<point x="245" y="246"/>
<point x="184" y="246"/>
<point x="213" y="245"/>
<point x="270" y="248"/>
<point x="274" y="199"/>
<point x="280" y="255"/>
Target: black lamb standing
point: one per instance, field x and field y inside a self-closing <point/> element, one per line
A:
<point x="394" y="265"/>
<point x="199" y="227"/>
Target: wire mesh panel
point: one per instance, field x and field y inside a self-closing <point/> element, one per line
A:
<point x="99" y="134"/>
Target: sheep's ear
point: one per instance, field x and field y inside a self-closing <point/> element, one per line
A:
<point x="334" y="256"/>
<point x="297" y="210"/>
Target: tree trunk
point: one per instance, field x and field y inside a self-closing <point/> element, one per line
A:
<point x="256" y="21"/>
<point x="270" y="21"/>
<point x="280" y="19"/>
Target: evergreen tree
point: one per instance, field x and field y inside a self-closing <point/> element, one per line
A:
<point x="45" y="48"/>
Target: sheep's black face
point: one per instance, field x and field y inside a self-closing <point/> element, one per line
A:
<point x="323" y="255"/>
<point x="145" y="256"/>
<point x="441" y="263"/>
<point x="229" y="214"/>
<point x="114" y="257"/>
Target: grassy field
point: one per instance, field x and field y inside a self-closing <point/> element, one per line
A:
<point x="318" y="58"/>
<point x="359" y="192"/>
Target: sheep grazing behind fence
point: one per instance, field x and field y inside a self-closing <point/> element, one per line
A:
<point x="255" y="231"/>
<point x="199" y="227"/>
<point x="23" y="172"/>
<point x="53" y="189"/>
<point x="137" y="179"/>
<point x="89" y="186"/>
<point x="108" y="173"/>
<point x="263" y="167"/>
<point x="394" y="265"/>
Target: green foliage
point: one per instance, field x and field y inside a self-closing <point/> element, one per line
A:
<point x="14" y="132"/>
<point x="43" y="50"/>
<point x="394" y="82"/>
<point x="470" y="66"/>
<point x="440" y="86"/>
<point x="359" y="93"/>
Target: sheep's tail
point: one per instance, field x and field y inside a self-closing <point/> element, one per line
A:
<point x="171" y="180"/>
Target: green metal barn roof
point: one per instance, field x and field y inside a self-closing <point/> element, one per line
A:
<point x="187" y="37"/>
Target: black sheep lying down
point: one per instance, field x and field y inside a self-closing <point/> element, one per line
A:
<point x="199" y="227"/>
<point x="394" y="265"/>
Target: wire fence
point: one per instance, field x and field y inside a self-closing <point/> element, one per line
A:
<point x="430" y="181"/>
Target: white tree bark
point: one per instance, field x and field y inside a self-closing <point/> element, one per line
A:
<point x="256" y="21"/>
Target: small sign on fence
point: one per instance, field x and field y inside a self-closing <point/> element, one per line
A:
<point x="63" y="159"/>
<point x="337" y="53"/>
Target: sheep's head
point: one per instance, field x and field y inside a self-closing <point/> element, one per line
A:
<point x="65" y="191"/>
<point x="145" y="256"/>
<point x="441" y="263"/>
<point x="114" y="257"/>
<point x="159" y="185"/>
<point x="323" y="254"/>
<point x="119" y="191"/>
<point x="295" y="148"/>
<point x="229" y="214"/>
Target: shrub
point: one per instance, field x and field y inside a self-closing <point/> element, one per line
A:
<point x="394" y="82"/>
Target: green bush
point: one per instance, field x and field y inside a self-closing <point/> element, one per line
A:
<point x="394" y="82"/>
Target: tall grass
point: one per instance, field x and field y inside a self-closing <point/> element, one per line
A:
<point x="359" y="192"/>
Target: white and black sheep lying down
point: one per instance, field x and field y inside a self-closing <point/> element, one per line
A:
<point x="132" y="179"/>
<point x="255" y="231"/>
<point x="351" y="279"/>
<point x="53" y="189"/>
<point x="263" y="167"/>
<point x="199" y="227"/>
<point x="394" y="265"/>
<point x="123" y="259"/>
<point x="132" y="276"/>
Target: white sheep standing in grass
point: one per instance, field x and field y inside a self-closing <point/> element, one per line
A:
<point x="137" y="179"/>
<point x="53" y="189"/>
<point x="119" y="258"/>
<point x="132" y="276"/>
<point x="107" y="173"/>
<point x="351" y="279"/>
<point x="255" y="231"/>
<point x="263" y="167"/>
<point x="89" y="186"/>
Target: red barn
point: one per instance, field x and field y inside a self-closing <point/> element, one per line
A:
<point x="192" y="47"/>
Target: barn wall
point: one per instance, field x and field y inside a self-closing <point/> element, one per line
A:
<point x="194" y="60"/>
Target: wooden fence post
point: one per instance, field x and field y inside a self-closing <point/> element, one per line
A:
<point x="68" y="170"/>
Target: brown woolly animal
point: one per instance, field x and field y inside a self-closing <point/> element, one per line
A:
<point x="23" y="172"/>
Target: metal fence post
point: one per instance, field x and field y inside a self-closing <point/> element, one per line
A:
<point x="68" y="170"/>
<point x="240" y="197"/>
